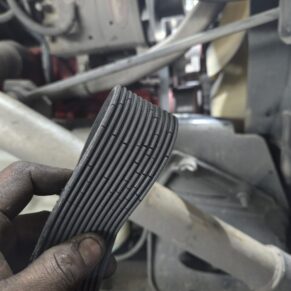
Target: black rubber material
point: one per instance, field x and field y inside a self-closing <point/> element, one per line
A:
<point x="67" y="202"/>
<point x="128" y="146"/>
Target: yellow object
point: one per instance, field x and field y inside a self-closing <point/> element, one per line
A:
<point x="227" y="56"/>
<point x="230" y="99"/>
<point x="222" y="50"/>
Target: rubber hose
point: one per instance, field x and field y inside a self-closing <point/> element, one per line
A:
<point x="6" y="16"/>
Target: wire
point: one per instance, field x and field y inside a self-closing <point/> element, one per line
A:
<point x="7" y="15"/>
<point x="45" y="49"/>
<point x="150" y="267"/>
<point x="183" y="45"/>
<point x="63" y="26"/>
<point x="45" y="56"/>
<point x="135" y="249"/>
<point x="26" y="6"/>
<point x="46" y="60"/>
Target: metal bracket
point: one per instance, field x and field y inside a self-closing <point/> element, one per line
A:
<point x="184" y="162"/>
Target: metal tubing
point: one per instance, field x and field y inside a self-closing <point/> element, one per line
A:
<point x="261" y="267"/>
<point x="30" y="136"/>
<point x="248" y="23"/>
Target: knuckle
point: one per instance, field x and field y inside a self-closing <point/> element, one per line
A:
<point x="64" y="265"/>
<point x="20" y="167"/>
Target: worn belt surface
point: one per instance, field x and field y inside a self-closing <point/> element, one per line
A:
<point x="128" y="146"/>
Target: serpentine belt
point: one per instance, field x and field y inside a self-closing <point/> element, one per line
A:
<point x="128" y="146"/>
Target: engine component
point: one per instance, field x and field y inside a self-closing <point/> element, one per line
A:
<point x="152" y="55"/>
<point x="103" y="26"/>
<point x="129" y="144"/>
<point x="221" y="51"/>
<point x="251" y="199"/>
<point x="26" y="133"/>
<point x="64" y="25"/>
<point x="173" y="7"/>
<point x="285" y="21"/>
<point x="197" y="20"/>
<point x="123" y="24"/>
<point x="156" y="14"/>
<point x="225" y="150"/>
<point x="12" y="60"/>
<point x="259" y="266"/>
<point x="268" y="118"/>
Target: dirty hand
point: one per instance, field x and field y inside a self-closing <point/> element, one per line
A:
<point x="59" y="268"/>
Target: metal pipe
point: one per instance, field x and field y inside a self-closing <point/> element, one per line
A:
<point x="262" y="268"/>
<point x="248" y="23"/>
<point x="30" y="136"/>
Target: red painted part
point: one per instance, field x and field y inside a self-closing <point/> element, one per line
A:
<point x="172" y="101"/>
<point x="61" y="68"/>
<point x="33" y="70"/>
<point x="87" y="109"/>
<point x="72" y="108"/>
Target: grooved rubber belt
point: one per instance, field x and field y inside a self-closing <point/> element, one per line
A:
<point x="128" y="146"/>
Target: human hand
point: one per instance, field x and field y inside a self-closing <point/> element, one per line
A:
<point x="59" y="268"/>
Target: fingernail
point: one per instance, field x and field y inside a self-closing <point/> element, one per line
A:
<point x="91" y="251"/>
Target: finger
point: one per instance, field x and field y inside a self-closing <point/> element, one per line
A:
<point x="60" y="268"/>
<point x="8" y="236"/>
<point x="27" y="229"/>
<point x="29" y="226"/>
<point x="5" y="271"/>
<point x="22" y="179"/>
<point x="112" y="266"/>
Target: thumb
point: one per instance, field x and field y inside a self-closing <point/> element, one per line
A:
<point x="60" y="268"/>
